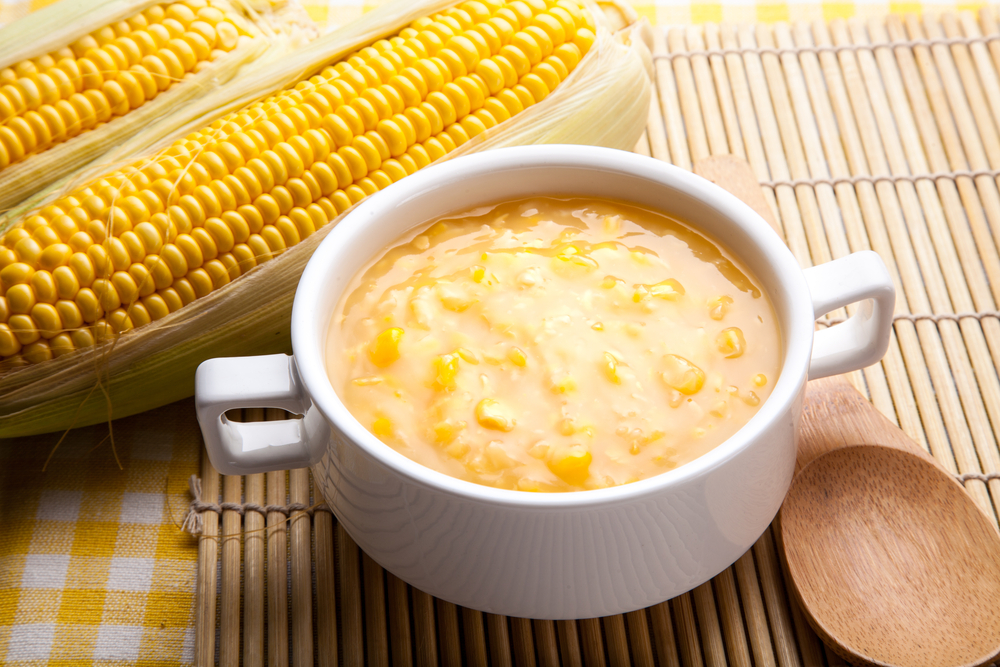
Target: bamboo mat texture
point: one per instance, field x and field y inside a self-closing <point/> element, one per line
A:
<point x="882" y="135"/>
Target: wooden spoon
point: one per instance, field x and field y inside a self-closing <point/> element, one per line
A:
<point x="891" y="560"/>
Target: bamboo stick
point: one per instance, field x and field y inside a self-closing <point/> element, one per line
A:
<point x="617" y="640"/>
<point x="546" y="643"/>
<point x="349" y="587"/>
<point x="787" y="207"/>
<point x="743" y="101"/>
<point x="253" y="564"/>
<point x="229" y="617"/>
<point x="301" y="560"/>
<point x="326" y="593"/>
<point x="638" y="632"/>
<point x="591" y="642"/>
<point x="776" y="600"/>
<point x="496" y="626"/>
<point x="690" y="107"/>
<point x="727" y="103"/>
<point x="656" y="131"/>
<point x="475" y="637"/>
<point x="711" y="632"/>
<point x="687" y="633"/>
<point x="400" y="640"/>
<point x="797" y="127"/>
<point x="666" y="89"/>
<point x="208" y="557"/>
<point x="753" y="610"/>
<point x="731" y="614"/>
<point x="809" y="644"/>
<point x="277" y="572"/>
<point x="663" y="635"/>
<point x="569" y="644"/>
<point x="642" y="145"/>
<point x="449" y="639"/>
<point x="715" y="128"/>
<point x="376" y="638"/>
<point x="523" y="642"/>
<point x="425" y="634"/>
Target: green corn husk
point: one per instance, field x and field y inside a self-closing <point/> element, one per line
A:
<point x="155" y="364"/>
<point x="273" y="34"/>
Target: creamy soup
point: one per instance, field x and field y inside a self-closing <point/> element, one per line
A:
<point x="554" y="345"/>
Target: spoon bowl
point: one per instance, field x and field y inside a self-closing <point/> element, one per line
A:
<point x="891" y="560"/>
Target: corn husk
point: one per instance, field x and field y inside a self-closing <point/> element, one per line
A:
<point x="274" y="33"/>
<point x="604" y="101"/>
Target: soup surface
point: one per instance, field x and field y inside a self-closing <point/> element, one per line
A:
<point x="554" y="345"/>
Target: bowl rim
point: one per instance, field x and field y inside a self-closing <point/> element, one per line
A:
<point x="312" y="291"/>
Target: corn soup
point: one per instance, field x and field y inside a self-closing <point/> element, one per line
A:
<point x="554" y="345"/>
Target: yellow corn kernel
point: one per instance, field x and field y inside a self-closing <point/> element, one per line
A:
<point x="385" y="348"/>
<point x="517" y="357"/>
<point x="454" y="298"/>
<point x="490" y="414"/>
<point x="446" y="430"/>
<point x="467" y="355"/>
<point x="382" y="428"/>
<point x="457" y="449"/>
<point x="720" y="410"/>
<point x="669" y="289"/>
<point x="446" y="367"/>
<point x="760" y="379"/>
<point x="731" y="343"/>
<point x="563" y="384"/>
<point x="719" y="306"/>
<point x="571" y="464"/>
<point x="682" y="375"/>
<point x="540" y="450"/>
<point x="610" y="367"/>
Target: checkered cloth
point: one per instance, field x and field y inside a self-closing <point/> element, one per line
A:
<point x="661" y="12"/>
<point x="93" y="564"/>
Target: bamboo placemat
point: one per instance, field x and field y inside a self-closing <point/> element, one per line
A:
<point x="882" y="136"/>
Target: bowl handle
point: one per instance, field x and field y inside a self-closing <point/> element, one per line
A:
<point x="863" y="339"/>
<point x="270" y="381"/>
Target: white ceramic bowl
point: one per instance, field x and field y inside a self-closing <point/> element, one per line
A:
<point x="568" y="555"/>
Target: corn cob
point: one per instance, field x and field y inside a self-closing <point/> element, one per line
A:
<point x="63" y="107"/>
<point x="106" y="74"/>
<point x="135" y="248"/>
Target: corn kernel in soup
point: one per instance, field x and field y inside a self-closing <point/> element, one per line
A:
<point x="554" y="345"/>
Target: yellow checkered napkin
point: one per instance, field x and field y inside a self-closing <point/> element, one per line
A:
<point x="93" y="566"/>
<point x="663" y="12"/>
<point x="682" y="12"/>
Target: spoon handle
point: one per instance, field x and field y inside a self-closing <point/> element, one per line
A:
<point x="835" y="414"/>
